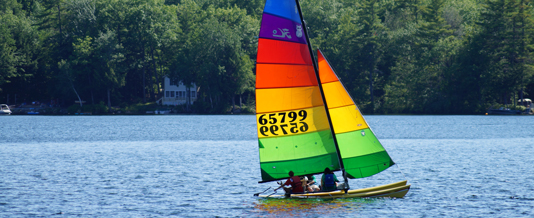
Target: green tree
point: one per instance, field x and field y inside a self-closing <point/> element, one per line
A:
<point x="507" y="39"/>
<point x="214" y="52"/>
<point x="8" y="57"/>
<point x="146" y="22"/>
<point x="18" y="42"/>
<point x="418" y="77"/>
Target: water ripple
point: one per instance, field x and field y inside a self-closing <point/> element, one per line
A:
<point x="203" y="166"/>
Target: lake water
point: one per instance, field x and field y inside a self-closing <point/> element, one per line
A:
<point x="207" y="166"/>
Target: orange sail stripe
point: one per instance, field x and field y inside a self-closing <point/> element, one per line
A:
<point x="279" y="75"/>
<point x="335" y="95"/>
<point x="285" y="99"/>
<point x="327" y="75"/>
<point x="282" y="52"/>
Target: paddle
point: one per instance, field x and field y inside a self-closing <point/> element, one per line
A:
<point x="262" y="191"/>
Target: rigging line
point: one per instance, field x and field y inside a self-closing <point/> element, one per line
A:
<point x="272" y="193"/>
<point x="262" y="192"/>
<point x="401" y="171"/>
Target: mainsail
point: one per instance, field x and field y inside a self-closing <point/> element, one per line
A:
<point x="293" y="129"/>
<point x="362" y="153"/>
<point x="296" y="132"/>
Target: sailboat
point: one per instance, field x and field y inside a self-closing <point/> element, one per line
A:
<point x="306" y="120"/>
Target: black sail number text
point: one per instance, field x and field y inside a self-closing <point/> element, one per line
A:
<point x="275" y="124"/>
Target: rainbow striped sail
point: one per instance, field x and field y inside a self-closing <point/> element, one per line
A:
<point x="362" y="153"/>
<point x="293" y="128"/>
<point x="306" y="120"/>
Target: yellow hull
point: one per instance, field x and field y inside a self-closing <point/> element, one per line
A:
<point x="393" y="190"/>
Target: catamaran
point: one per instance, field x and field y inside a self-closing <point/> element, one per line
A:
<point x="306" y="120"/>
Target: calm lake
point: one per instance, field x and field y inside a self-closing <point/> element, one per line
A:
<point x="208" y="166"/>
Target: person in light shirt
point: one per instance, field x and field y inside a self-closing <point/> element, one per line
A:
<point x="312" y="185"/>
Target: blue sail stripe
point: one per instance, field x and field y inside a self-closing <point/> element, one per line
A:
<point x="282" y="8"/>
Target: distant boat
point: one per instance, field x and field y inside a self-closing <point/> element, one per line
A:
<point x="502" y="111"/>
<point x="33" y="112"/>
<point x="4" y="109"/>
<point x="527" y="103"/>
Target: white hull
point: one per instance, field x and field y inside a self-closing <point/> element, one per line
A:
<point x="4" y="109"/>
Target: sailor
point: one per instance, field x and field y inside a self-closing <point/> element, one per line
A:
<point x="294" y="182"/>
<point x="312" y="185"/>
<point x="329" y="180"/>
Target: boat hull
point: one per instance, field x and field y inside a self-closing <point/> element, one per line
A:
<point x="4" y="109"/>
<point x="393" y="190"/>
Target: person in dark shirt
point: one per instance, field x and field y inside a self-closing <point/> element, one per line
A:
<point x="329" y="181"/>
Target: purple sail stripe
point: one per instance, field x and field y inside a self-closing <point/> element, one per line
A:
<point x="274" y="27"/>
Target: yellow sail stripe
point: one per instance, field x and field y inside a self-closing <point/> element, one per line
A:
<point x="286" y="123"/>
<point x="286" y="99"/>
<point x="336" y="96"/>
<point x="346" y="119"/>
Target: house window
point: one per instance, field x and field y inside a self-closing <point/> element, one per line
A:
<point x="183" y="93"/>
<point x="178" y="93"/>
<point x="193" y="94"/>
<point x="172" y="94"/>
<point x="172" y="82"/>
<point x="167" y="94"/>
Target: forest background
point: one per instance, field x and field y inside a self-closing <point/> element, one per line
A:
<point x="394" y="56"/>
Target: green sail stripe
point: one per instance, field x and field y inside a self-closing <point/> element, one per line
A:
<point x="303" y="154"/>
<point x="368" y="165"/>
<point x="358" y="143"/>
<point x="296" y="147"/>
<point x="362" y="153"/>
<point x="279" y="170"/>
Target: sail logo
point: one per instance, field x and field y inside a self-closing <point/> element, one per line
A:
<point x="284" y="33"/>
<point x="283" y="123"/>
<point x="299" y="31"/>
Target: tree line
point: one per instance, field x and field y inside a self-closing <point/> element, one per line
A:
<point x="402" y="56"/>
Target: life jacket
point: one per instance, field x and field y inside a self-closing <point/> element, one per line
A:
<point x="329" y="182"/>
<point x="295" y="182"/>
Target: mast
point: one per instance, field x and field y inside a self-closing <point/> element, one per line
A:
<point x="316" y="69"/>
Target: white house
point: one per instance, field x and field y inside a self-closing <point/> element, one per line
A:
<point x="176" y="94"/>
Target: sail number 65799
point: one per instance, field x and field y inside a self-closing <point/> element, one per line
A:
<point x="278" y="123"/>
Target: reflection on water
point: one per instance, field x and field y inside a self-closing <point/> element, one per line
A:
<point x="279" y="207"/>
